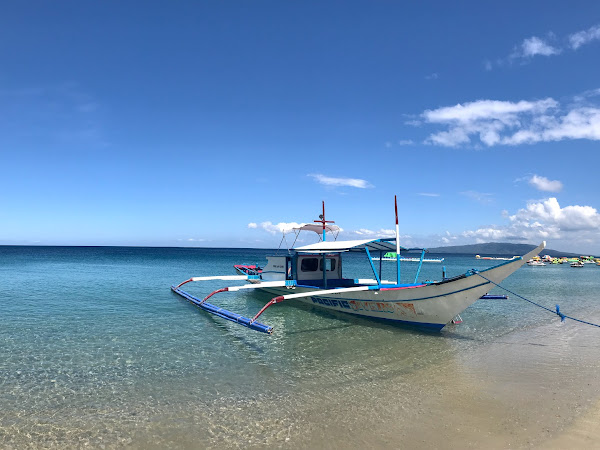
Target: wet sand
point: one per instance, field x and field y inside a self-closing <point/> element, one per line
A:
<point x="583" y="433"/>
<point x="533" y="389"/>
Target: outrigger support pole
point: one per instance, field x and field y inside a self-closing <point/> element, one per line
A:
<point x="281" y="298"/>
<point x="218" y="277"/>
<point x="420" y="264"/>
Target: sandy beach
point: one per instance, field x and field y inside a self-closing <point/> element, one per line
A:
<point x="534" y="389"/>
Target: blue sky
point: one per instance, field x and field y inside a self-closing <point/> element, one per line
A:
<point x="218" y="123"/>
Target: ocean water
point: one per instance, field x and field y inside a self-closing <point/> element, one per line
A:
<point x="97" y="351"/>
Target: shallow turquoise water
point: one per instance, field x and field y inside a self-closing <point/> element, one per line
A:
<point x="97" y="350"/>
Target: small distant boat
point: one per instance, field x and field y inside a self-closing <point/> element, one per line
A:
<point x="577" y="264"/>
<point x="496" y="258"/>
<point x="535" y="262"/>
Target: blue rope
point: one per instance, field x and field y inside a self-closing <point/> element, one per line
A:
<point x="557" y="312"/>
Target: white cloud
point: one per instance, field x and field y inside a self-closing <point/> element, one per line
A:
<point x="281" y="227"/>
<point x="405" y="142"/>
<point x="428" y="194"/>
<point x="580" y="38"/>
<point x="502" y="111"/>
<point x="332" y="181"/>
<point x="448" y="238"/>
<point x="433" y="76"/>
<point x="544" y="219"/>
<point x="494" y="122"/>
<point x="544" y="184"/>
<point x="568" y="218"/>
<point x="535" y="46"/>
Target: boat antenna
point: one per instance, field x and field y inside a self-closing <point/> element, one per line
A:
<point x="397" y="242"/>
<point x="323" y="221"/>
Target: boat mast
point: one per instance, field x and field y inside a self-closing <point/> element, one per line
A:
<point x="397" y="243"/>
<point x="323" y="221"/>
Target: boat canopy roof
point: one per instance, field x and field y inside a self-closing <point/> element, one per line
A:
<point x="317" y="228"/>
<point x="358" y="245"/>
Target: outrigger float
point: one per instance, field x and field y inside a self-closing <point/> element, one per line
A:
<point x="313" y="274"/>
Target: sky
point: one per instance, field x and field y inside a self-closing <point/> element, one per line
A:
<point x="219" y="124"/>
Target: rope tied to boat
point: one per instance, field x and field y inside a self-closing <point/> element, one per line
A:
<point x="557" y="311"/>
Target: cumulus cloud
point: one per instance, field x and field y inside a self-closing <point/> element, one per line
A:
<point x="534" y="46"/>
<point x="332" y="181"/>
<point x="279" y="228"/>
<point x="580" y="38"/>
<point x="566" y="219"/>
<point x="544" y="219"/>
<point x="544" y="184"/>
<point x="494" y="122"/>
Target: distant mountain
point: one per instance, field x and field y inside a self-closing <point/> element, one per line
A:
<point x="497" y="248"/>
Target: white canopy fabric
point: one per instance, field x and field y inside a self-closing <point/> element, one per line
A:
<point x="317" y="228"/>
<point x="386" y="245"/>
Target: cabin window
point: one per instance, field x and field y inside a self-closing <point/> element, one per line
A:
<point x="309" y="265"/>
<point x="329" y="265"/>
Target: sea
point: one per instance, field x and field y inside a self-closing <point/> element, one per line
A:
<point x="97" y="352"/>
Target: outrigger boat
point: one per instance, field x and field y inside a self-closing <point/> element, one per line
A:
<point x="313" y="274"/>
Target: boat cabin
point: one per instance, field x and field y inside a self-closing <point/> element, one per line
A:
<point x="305" y="268"/>
<point x="320" y="265"/>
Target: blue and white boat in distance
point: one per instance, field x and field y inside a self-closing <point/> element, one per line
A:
<point x="313" y="274"/>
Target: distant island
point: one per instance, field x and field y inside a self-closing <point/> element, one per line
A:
<point x="498" y="248"/>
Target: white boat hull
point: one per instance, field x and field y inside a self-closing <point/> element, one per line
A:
<point x="427" y="305"/>
<point x="430" y="306"/>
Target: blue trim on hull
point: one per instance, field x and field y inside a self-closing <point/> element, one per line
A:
<point x="406" y="323"/>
